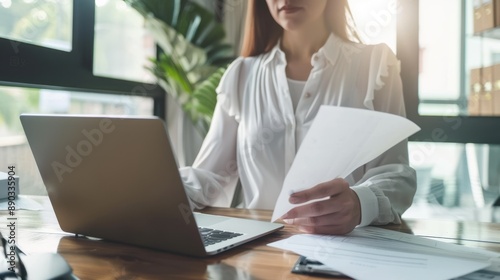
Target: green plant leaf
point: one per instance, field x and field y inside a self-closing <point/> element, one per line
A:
<point x="193" y="45"/>
<point x="173" y="43"/>
<point x="206" y="96"/>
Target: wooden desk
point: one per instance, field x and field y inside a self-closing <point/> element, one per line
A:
<point x="38" y="231"/>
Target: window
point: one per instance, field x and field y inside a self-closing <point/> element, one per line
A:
<point x="437" y="54"/>
<point x="60" y="60"/>
<point x="455" y="174"/>
<point x="122" y="45"/>
<point x="440" y="58"/>
<point x="449" y="51"/>
<point x="40" y="22"/>
<point x="42" y="67"/>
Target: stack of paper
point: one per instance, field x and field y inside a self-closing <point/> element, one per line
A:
<point x="375" y="253"/>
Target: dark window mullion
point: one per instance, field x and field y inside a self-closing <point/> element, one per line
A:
<point x="84" y="33"/>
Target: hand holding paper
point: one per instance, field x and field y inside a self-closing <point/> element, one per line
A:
<point x="339" y="213"/>
<point x="339" y="141"/>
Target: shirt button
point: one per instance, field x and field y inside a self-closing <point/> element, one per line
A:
<point x="308" y="94"/>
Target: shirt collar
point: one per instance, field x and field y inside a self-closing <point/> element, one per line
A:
<point x="329" y="51"/>
<point x="275" y="53"/>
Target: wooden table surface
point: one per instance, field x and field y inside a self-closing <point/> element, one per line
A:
<point x="38" y="232"/>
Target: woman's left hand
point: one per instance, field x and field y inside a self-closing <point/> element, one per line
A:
<point x="339" y="214"/>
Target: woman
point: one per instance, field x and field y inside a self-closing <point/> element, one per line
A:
<point x="297" y="56"/>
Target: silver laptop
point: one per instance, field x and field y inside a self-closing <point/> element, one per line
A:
<point x="116" y="178"/>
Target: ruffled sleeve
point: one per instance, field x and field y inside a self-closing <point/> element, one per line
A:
<point x="229" y="89"/>
<point x="212" y="178"/>
<point x="384" y="88"/>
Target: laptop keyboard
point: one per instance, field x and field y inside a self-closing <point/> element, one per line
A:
<point x="212" y="236"/>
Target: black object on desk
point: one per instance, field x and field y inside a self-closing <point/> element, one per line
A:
<point x="314" y="267"/>
<point x="37" y="267"/>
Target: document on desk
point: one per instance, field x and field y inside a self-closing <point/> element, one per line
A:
<point x="375" y="253"/>
<point x="339" y="141"/>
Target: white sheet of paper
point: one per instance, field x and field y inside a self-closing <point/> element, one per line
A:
<point x="339" y="141"/>
<point x="363" y="255"/>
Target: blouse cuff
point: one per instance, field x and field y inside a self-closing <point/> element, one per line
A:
<point x="369" y="204"/>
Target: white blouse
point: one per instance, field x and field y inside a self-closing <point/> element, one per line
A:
<point x="255" y="132"/>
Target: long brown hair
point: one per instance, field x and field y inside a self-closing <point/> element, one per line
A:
<point x="262" y="32"/>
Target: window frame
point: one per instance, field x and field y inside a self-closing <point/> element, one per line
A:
<point x="457" y="129"/>
<point x="33" y="66"/>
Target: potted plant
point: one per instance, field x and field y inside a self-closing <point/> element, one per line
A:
<point x="193" y="55"/>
